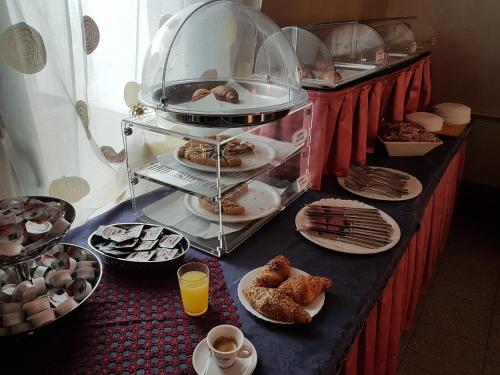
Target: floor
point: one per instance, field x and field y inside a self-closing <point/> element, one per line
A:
<point x="457" y="328"/>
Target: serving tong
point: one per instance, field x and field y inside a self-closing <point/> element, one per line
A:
<point x="364" y="178"/>
<point x="363" y="227"/>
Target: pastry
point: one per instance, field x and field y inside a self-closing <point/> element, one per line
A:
<point x="222" y="93"/>
<point x="304" y="289"/>
<point x="407" y="132"/>
<point x="206" y="153"/>
<point x="229" y="202"/>
<point x="272" y="303"/>
<point x="274" y="272"/>
<point x="331" y="75"/>
<point x="305" y="72"/>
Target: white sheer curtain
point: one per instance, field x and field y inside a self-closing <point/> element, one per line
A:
<point x="64" y="65"/>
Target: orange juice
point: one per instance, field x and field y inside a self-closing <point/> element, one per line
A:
<point x="194" y="292"/>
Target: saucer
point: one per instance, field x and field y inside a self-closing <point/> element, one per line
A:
<point x="242" y="366"/>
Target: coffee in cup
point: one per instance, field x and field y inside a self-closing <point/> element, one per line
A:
<point x="226" y="342"/>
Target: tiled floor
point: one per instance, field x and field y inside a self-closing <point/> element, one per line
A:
<point x="457" y="328"/>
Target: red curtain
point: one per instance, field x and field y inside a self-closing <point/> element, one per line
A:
<point x="376" y="349"/>
<point x="346" y="122"/>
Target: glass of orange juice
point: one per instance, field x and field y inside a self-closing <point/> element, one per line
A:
<point x="193" y="282"/>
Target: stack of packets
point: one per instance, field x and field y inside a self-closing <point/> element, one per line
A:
<point x="139" y="243"/>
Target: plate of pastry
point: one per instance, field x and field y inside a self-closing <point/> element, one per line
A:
<point x="237" y="155"/>
<point x="246" y="202"/>
<point x="282" y="294"/>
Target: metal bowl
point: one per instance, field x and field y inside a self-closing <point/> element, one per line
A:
<point x="34" y="248"/>
<point x="66" y="248"/>
<point x="142" y="266"/>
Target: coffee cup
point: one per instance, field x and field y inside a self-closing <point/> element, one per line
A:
<point x="226" y="342"/>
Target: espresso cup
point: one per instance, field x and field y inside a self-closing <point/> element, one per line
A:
<point x="226" y="342"/>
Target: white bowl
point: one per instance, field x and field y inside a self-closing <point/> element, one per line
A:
<point x="409" y="148"/>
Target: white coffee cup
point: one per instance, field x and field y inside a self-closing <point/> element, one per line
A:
<point x="225" y="359"/>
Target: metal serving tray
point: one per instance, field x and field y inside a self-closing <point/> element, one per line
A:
<point x="179" y="108"/>
<point x="348" y="71"/>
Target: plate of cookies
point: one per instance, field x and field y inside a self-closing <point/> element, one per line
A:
<point x="246" y="202"/>
<point x="282" y="294"/>
<point x="237" y="155"/>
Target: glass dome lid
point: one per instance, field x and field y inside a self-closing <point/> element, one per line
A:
<point x="423" y="32"/>
<point x="316" y="63"/>
<point x="397" y="35"/>
<point x="221" y="63"/>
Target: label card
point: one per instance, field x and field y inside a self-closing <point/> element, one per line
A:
<point x="302" y="182"/>
<point x="379" y="57"/>
<point x="299" y="137"/>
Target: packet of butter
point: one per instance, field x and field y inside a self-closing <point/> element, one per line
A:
<point x="170" y="240"/>
<point x="141" y="256"/>
<point x="165" y="254"/>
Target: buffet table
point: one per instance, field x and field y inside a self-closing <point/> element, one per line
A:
<point x="346" y="121"/>
<point x="357" y="331"/>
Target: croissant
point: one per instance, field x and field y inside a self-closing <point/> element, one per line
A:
<point x="274" y="272"/>
<point x="200" y="94"/>
<point x="225" y="93"/>
<point x="304" y="289"/>
<point x="275" y="305"/>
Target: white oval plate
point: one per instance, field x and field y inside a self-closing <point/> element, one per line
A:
<point x="242" y="366"/>
<point x="261" y="155"/>
<point x="414" y="188"/>
<point x="300" y="221"/>
<point x="260" y="201"/>
<point x="312" y="308"/>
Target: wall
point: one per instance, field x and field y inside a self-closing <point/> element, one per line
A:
<point x="466" y="70"/>
<point x="296" y="12"/>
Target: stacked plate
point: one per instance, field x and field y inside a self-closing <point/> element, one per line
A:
<point x="453" y="113"/>
<point x="430" y="121"/>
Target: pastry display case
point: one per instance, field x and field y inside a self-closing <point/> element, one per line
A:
<point x="227" y="145"/>
<point x="398" y="37"/>
<point x="217" y="186"/>
<point x="221" y="43"/>
<point x="356" y="49"/>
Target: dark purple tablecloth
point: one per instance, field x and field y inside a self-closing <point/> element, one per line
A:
<point x="358" y="280"/>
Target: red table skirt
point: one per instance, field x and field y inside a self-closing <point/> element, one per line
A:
<point x="346" y="121"/>
<point x="376" y="349"/>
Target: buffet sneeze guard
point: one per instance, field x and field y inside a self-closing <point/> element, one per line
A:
<point x="195" y="180"/>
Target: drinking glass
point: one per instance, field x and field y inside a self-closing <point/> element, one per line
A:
<point x="193" y="283"/>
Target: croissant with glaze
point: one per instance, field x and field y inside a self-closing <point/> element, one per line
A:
<point x="272" y="303"/>
<point x="304" y="289"/>
<point x="274" y="272"/>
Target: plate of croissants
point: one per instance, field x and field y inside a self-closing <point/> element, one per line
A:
<point x="279" y="293"/>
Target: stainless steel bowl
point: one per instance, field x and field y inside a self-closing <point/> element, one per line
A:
<point x="90" y="256"/>
<point x="142" y="266"/>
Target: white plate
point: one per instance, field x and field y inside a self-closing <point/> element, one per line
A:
<point x="414" y="188"/>
<point x="312" y="308"/>
<point x="260" y="201"/>
<point x="261" y="155"/>
<point x="242" y="366"/>
<point x="300" y="221"/>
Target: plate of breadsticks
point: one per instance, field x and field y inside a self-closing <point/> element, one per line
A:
<point x="282" y="294"/>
